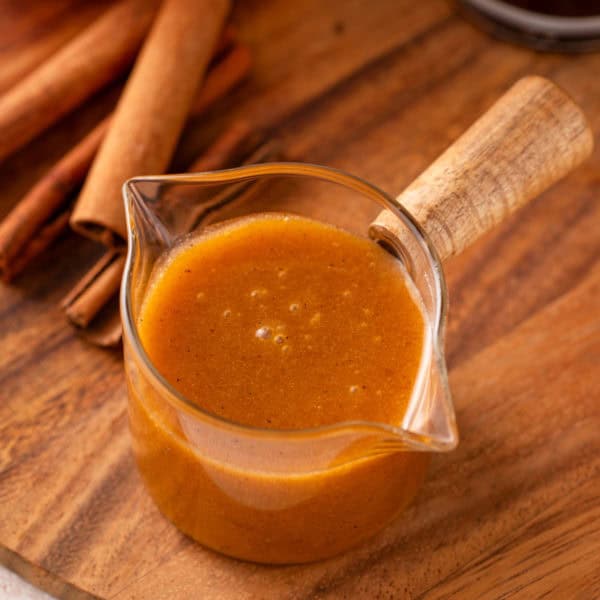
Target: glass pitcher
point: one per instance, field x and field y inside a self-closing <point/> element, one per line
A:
<point x="259" y="494"/>
<point x="295" y="496"/>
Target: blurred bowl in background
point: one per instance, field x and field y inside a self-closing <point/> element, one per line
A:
<point x="551" y="25"/>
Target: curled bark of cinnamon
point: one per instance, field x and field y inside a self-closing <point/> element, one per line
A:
<point x="222" y="152"/>
<point x="56" y="188"/>
<point x="232" y="68"/>
<point x="37" y="246"/>
<point x="95" y="289"/>
<point x="22" y="60"/>
<point x="25" y="222"/>
<point x="151" y="112"/>
<point x="88" y="62"/>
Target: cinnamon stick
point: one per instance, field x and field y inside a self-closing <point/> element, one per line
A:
<point x="106" y="330"/>
<point x="22" y="59"/>
<point x="96" y="288"/>
<point x="228" y="38"/>
<point x="223" y="150"/>
<point x="56" y="187"/>
<point x="45" y="197"/>
<point x="151" y="112"/>
<point x="35" y="247"/>
<point x="71" y="75"/>
<point x="233" y="67"/>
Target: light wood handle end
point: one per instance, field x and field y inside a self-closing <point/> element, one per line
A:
<point x="529" y="139"/>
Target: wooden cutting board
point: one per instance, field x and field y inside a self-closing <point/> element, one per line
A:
<point x="378" y="89"/>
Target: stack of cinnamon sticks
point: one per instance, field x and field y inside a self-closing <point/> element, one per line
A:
<point x="189" y="59"/>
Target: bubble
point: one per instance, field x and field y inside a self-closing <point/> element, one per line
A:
<point x="353" y="389"/>
<point x="227" y="313"/>
<point x="377" y="339"/>
<point x="372" y="264"/>
<point x="285" y="348"/>
<point x="363" y="324"/>
<point x="346" y="293"/>
<point x="263" y="333"/>
<point x="258" y="293"/>
<point x="282" y="273"/>
<point x="294" y="307"/>
<point x="279" y="339"/>
<point x="315" y="319"/>
<point x="200" y="296"/>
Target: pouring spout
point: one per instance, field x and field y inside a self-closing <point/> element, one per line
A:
<point x="145" y="223"/>
<point x="430" y="422"/>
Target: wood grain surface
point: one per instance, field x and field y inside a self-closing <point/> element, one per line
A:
<point x="378" y="89"/>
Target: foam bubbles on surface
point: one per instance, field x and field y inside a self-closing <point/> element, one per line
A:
<point x="259" y="293"/>
<point x="263" y="333"/>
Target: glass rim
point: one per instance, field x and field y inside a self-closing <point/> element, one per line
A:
<point x="285" y="169"/>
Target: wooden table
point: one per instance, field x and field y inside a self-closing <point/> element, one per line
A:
<point x="378" y="89"/>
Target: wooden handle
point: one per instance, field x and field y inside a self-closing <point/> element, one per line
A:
<point x="530" y="138"/>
